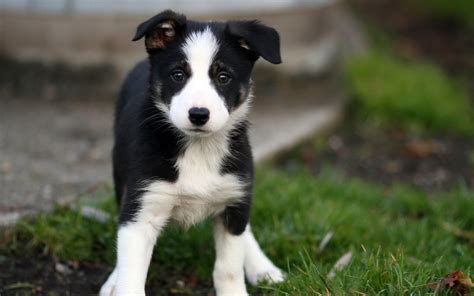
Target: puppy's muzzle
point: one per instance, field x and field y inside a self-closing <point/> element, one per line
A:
<point x="199" y="116"/>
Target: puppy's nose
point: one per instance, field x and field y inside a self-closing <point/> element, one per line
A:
<point x="198" y="116"/>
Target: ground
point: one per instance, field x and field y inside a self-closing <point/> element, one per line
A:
<point x="388" y="156"/>
<point x="400" y="240"/>
<point x="397" y="195"/>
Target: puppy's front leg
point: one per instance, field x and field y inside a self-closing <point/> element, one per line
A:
<point x="257" y="265"/>
<point x="134" y="250"/>
<point x="228" y="272"/>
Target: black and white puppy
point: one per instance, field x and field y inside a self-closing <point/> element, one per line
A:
<point x="181" y="149"/>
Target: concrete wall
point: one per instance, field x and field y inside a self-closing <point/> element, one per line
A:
<point x="143" y="6"/>
<point x="91" y="53"/>
<point x="84" y="39"/>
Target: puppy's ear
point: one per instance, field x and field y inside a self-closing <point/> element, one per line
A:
<point x="256" y="37"/>
<point x="160" y="29"/>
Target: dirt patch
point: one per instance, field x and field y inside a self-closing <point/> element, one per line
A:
<point x="388" y="156"/>
<point x="38" y="276"/>
<point x="41" y="275"/>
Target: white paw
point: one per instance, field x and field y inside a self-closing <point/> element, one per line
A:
<point x="271" y="274"/>
<point x="107" y="290"/>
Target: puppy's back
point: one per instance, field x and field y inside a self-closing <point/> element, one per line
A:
<point x="131" y="98"/>
<point x="133" y="90"/>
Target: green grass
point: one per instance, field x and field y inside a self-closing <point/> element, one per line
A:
<point x="400" y="239"/>
<point x="65" y="234"/>
<point x="418" y="97"/>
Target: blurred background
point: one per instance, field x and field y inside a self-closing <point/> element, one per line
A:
<point x="377" y="90"/>
<point x="63" y="61"/>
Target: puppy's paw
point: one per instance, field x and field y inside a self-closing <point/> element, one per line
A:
<point x="269" y="273"/>
<point x="107" y="290"/>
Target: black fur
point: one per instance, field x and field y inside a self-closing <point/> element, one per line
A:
<point x="149" y="25"/>
<point x="261" y="39"/>
<point x="239" y="163"/>
<point x="147" y="145"/>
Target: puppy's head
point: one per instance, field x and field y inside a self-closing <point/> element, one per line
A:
<point x="200" y="72"/>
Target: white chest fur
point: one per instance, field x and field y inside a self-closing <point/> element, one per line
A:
<point x="200" y="191"/>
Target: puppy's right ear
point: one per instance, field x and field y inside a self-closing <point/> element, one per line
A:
<point x="160" y="29"/>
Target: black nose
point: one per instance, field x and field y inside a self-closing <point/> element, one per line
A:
<point x="198" y="116"/>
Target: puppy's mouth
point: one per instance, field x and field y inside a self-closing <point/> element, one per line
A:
<point x="197" y="131"/>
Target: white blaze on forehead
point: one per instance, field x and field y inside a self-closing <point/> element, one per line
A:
<point x="200" y="48"/>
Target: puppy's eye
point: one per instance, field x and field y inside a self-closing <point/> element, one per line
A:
<point x="177" y="75"/>
<point x="223" y="78"/>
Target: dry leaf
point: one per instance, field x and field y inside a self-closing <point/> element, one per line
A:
<point x="95" y="214"/>
<point x="420" y="149"/>
<point x="466" y="234"/>
<point x="324" y="242"/>
<point x="456" y="281"/>
<point x="340" y="264"/>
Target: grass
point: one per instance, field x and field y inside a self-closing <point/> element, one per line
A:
<point x="406" y="93"/>
<point x="415" y="96"/>
<point x="400" y="239"/>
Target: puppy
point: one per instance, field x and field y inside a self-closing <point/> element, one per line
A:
<point x="181" y="150"/>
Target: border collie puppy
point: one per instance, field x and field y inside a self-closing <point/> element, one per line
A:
<point x="181" y="150"/>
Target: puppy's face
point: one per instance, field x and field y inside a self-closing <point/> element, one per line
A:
<point x="200" y="72"/>
<point x="202" y="80"/>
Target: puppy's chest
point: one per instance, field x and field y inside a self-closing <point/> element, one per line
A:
<point x="201" y="189"/>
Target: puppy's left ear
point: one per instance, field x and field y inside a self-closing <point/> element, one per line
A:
<point x="256" y="37"/>
<point x="160" y="29"/>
